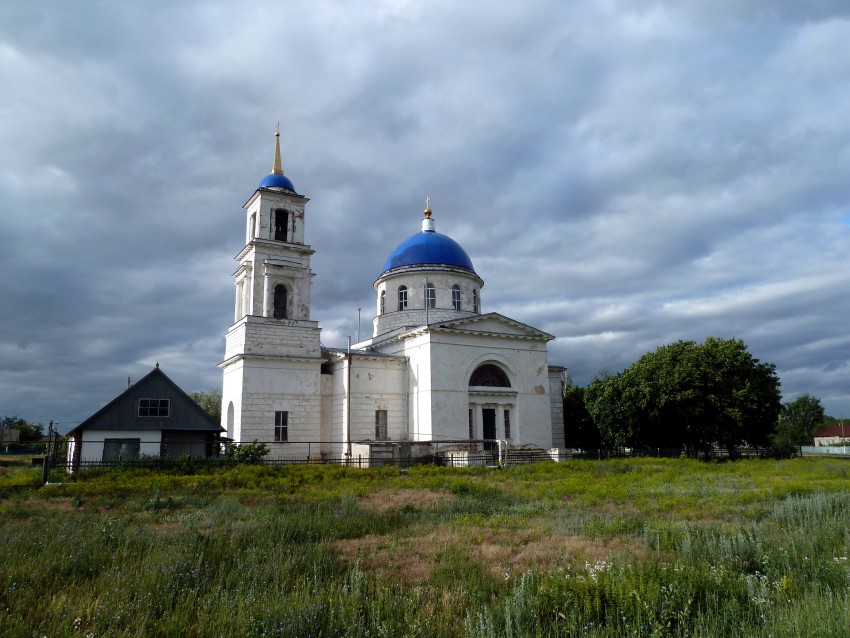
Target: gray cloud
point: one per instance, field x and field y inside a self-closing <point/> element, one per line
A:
<point x="622" y="174"/>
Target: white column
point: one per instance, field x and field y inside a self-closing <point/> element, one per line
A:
<point x="248" y="291"/>
<point x="238" y="309"/>
<point x="500" y="421"/>
<point x="267" y="284"/>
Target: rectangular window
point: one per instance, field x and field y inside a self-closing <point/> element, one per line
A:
<point x="507" y="424"/>
<point x="471" y="429"/>
<point x="402" y="298"/>
<point x="115" y="450"/>
<point x="155" y="408"/>
<point x="456" y="298"/>
<point x="380" y="425"/>
<point x="430" y="296"/>
<point x="281" y="426"/>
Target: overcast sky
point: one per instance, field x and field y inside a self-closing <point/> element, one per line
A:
<point x="623" y="174"/>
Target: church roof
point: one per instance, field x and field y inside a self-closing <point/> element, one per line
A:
<point x="277" y="180"/>
<point x="428" y="247"/>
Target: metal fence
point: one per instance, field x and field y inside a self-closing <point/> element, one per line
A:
<point x="825" y="450"/>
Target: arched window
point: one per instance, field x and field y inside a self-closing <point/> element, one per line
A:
<point x="280" y="301"/>
<point x="456" y="297"/>
<point x="252" y="227"/>
<point x="430" y="296"/>
<point x="281" y="224"/>
<point x="475" y="301"/>
<point x="383" y="307"/>
<point x="489" y="375"/>
<point x="402" y="297"/>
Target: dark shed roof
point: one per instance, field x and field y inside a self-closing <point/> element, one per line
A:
<point x="122" y="413"/>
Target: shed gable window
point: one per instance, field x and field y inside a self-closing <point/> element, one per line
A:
<point x="281" y="426"/>
<point x="489" y="375"/>
<point x="155" y="408"/>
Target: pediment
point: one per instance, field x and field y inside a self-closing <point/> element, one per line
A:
<point x="492" y="323"/>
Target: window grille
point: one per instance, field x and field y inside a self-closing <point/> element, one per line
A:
<point x="155" y="408"/>
<point x="281" y="426"/>
<point x="380" y="425"/>
<point x="490" y="375"/>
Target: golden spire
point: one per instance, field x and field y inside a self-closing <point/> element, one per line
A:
<point x="427" y="207"/>
<point x="277" y="169"/>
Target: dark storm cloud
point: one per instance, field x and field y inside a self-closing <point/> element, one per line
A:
<point x="622" y="174"/>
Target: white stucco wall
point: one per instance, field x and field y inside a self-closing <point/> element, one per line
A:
<point x="441" y="364"/>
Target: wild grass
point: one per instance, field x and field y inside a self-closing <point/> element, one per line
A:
<point x="589" y="548"/>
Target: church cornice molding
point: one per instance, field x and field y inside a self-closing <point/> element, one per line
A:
<point x="454" y="327"/>
<point x="270" y="357"/>
<point x="531" y="332"/>
<point x="276" y="195"/>
<point x="270" y="245"/>
<point x="426" y="268"/>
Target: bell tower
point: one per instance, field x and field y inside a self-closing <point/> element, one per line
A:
<point x="272" y="353"/>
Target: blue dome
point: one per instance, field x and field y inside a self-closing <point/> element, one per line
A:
<point x="429" y="247"/>
<point x="277" y="180"/>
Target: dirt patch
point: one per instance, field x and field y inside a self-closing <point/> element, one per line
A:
<point x="503" y="553"/>
<point x="387" y="500"/>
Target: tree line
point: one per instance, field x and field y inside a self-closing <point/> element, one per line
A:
<point x="692" y="397"/>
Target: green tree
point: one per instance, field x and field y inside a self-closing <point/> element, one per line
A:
<point x="579" y="429"/>
<point x="797" y="424"/>
<point x="688" y="395"/>
<point x="210" y="402"/>
<point x="29" y="431"/>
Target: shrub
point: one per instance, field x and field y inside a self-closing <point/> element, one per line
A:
<point x="249" y="452"/>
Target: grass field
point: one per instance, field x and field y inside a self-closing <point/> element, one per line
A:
<point x="587" y="548"/>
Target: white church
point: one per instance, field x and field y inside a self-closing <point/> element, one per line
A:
<point x="438" y="374"/>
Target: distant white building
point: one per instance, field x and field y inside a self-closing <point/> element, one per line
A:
<point x="436" y="368"/>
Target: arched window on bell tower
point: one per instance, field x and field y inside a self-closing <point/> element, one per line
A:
<point x="281" y="225"/>
<point x="280" y="301"/>
<point x="402" y="297"/>
<point x="475" y="304"/>
<point x="383" y="308"/>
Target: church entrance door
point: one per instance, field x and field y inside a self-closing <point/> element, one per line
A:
<point x="488" y="416"/>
